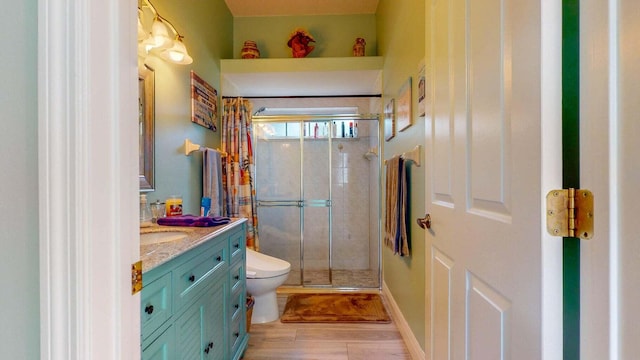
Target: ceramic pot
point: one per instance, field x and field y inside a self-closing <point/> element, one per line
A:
<point x="358" y="47"/>
<point x="250" y="50"/>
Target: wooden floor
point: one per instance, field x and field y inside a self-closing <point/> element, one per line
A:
<point x="298" y="341"/>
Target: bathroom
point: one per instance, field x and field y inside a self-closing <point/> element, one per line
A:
<point x="177" y="174"/>
<point x="69" y="168"/>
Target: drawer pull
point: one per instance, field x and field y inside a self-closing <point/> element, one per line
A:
<point x="236" y="306"/>
<point x="237" y="277"/>
<point x="236" y="334"/>
<point x="208" y="348"/>
<point x="192" y="278"/>
<point x="237" y="246"/>
<point x="219" y="258"/>
<point x="149" y="309"/>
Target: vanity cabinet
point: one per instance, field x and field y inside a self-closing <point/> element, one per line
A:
<point x="193" y="306"/>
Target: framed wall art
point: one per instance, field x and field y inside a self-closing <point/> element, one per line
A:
<point x="422" y="89"/>
<point x="403" y="107"/>
<point x="204" y="103"/>
<point x="389" y="121"/>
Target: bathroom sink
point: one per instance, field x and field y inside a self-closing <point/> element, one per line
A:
<point x="161" y="237"/>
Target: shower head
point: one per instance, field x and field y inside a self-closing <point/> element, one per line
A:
<point x="373" y="152"/>
<point x="259" y="110"/>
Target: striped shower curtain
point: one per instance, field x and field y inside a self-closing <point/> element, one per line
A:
<point x="238" y="167"/>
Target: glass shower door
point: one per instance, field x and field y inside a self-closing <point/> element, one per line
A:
<point x="293" y="169"/>
<point x="316" y="195"/>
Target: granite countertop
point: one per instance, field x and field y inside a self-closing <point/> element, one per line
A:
<point x="153" y="255"/>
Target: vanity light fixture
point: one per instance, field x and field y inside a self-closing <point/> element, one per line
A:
<point x="159" y="41"/>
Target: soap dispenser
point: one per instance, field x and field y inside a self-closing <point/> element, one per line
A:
<point x="145" y="212"/>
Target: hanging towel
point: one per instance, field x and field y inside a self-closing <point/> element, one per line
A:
<point x="190" y="220"/>
<point x="212" y="180"/>
<point x="396" y="207"/>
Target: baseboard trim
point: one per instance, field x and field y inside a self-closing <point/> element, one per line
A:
<point x="413" y="346"/>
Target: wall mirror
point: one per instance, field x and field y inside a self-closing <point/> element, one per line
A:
<point x="146" y="116"/>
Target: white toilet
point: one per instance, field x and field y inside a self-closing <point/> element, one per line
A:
<point x="264" y="274"/>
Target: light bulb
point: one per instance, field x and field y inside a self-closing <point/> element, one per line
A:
<point x="160" y="34"/>
<point x="176" y="55"/>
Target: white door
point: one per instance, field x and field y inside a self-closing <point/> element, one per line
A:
<point x="491" y="135"/>
<point x="610" y="128"/>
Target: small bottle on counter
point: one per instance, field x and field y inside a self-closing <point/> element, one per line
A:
<point x="174" y="205"/>
<point x="145" y="212"/>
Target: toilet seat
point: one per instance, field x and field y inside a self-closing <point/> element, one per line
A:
<point x="261" y="266"/>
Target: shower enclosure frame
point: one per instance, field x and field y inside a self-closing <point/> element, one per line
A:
<point x="302" y="203"/>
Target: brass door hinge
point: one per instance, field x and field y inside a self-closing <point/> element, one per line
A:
<point x="570" y="213"/>
<point x="136" y="277"/>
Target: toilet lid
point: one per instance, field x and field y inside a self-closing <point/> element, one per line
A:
<point x="264" y="266"/>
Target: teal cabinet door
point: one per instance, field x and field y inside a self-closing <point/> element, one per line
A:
<point x="200" y="329"/>
<point x="162" y="348"/>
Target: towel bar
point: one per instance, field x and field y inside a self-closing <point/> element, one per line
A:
<point x="413" y="156"/>
<point x="190" y="147"/>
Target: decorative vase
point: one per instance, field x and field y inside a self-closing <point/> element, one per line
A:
<point x="299" y="41"/>
<point x="250" y="50"/>
<point x="358" y="47"/>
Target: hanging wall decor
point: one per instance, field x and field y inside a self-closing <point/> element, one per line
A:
<point x="422" y="89"/>
<point x="403" y="107"/>
<point x="204" y="103"/>
<point x="389" y="121"/>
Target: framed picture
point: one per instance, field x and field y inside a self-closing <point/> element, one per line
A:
<point x="403" y="107"/>
<point x="389" y="121"/>
<point x="422" y="89"/>
<point x="146" y="126"/>
<point x="204" y="103"/>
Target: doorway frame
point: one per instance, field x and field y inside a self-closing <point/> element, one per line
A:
<point x="88" y="179"/>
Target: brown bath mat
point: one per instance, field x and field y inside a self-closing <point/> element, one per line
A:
<point x="335" y="308"/>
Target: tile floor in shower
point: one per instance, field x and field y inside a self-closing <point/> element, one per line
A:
<point x="360" y="279"/>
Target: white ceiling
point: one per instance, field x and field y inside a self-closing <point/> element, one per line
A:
<point x="300" y="7"/>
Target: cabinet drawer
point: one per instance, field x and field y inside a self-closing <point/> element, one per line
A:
<point x="193" y="276"/>
<point x="236" y="336"/>
<point x="237" y="243"/>
<point x="237" y="302"/>
<point x="237" y="275"/>
<point x="155" y="304"/>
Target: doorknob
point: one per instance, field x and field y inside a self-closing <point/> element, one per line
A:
<point x="425" y="222"/>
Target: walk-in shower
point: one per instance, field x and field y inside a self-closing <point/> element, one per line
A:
<point x="318" y="192"/>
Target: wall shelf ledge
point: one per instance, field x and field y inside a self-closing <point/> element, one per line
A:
<point x="320" y="76"/>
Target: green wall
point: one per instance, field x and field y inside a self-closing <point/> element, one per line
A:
<point x="401" y="42"/>
<point x="19" y="258"/>
<point x="334" y="34"/>
<point x="207" y="27"/>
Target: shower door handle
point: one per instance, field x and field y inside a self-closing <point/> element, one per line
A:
<point x="425" y="222"/>
<point x="273" y="203"/>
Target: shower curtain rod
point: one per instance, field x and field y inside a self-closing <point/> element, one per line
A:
<point x="313" y="117"/>
<point x="304" y="96"/>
